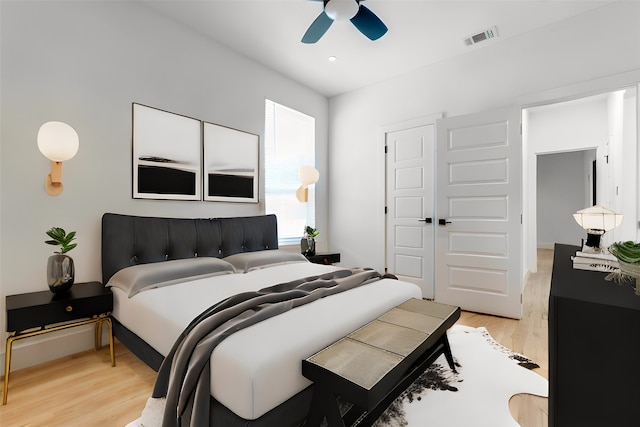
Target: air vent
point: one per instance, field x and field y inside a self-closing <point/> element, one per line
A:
<point x="477" y="38"/>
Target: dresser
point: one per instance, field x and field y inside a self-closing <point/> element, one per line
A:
<point x="594" y="348"/>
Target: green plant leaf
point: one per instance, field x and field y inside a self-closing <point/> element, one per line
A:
<point x="628" y="251"/>
<point x="311" y="232"/>
<point x="66" y="249"/>
<point x="60" y="237"/>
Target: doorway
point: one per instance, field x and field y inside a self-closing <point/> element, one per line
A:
<point x="409" y="205"/>
<point x="565" y="183"/>
<point x="605" y="127"/>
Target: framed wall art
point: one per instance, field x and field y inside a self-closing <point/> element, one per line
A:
<point x="230" y="164"/>
<point x="167" y="155"/>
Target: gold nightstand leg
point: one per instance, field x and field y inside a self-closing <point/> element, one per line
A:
<point x="7" y="368"/>
<point x="112" y="351"/>
<point x="98" y="335"/>
<point x="98" y="332"/>
<point x="97" y="320"/>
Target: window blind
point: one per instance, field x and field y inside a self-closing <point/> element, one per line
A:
<point x="289" y="144"/>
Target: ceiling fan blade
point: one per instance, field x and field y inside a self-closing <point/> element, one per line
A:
<point x="369" y="24"/>
<point x="317" y="28"/>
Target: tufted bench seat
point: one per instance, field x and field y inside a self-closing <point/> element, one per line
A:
<point x="373" y="365"/>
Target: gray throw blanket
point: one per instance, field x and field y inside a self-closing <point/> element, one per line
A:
<point x="184" y="377"/>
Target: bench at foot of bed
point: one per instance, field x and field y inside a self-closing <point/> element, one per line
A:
<point x="373" y="365"/>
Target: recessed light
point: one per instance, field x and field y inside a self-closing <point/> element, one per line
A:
<point x="333" y="58"/>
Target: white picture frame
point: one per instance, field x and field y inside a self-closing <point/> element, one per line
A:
<point x="230" y="164"/>
<point x="167" y="155"/>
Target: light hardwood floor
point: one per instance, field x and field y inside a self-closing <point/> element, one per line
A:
<point x="83" y="390"/>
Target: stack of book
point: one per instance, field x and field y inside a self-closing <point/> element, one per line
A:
<point x="588" y="259"/>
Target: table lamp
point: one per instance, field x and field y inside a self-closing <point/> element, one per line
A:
<point x="597" y="220"/>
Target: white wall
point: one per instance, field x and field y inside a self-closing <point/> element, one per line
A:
<point x="561" y="191"/>
<point x="597" y="44"/>
<point x="629" y="229"/>
<point x="631" y="131"/>
<point x="604" y="123"/>
<point x="569" y="126"/>
<point x="84" y="63"/>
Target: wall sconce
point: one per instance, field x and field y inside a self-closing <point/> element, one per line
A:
<point x="58" y="142"/>
<point x="597" y="220"/>
<point x="308" y="176"/>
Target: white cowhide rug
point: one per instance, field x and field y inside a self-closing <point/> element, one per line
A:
<point x="476" y="396"/>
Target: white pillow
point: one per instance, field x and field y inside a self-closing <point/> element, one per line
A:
<point x="245" y="262"/>
<point x="138" y="278"/>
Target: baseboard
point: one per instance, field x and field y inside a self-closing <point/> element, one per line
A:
<point x="44" y="348"/>
<point x="545" y="245"/>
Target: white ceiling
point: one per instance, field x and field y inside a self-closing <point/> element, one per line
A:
<point x="421" y="32"/>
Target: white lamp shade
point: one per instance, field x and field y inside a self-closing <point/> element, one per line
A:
<point x="308" y="175"/>
<point x="57" y="141"/>
<point x="341" y="10"/>
<point x="598" y="218"/>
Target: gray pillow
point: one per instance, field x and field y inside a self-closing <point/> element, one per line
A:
<point x="141" y="277"/>
<point x="245" y="262"/>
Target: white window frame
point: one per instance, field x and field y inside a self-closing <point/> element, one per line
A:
<point x="289" y="145"/>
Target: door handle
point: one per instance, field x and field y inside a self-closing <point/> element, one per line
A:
<point x="427" y="220"/>
<point x="442" y="221"/>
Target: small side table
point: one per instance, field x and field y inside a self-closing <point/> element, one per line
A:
<point x="325" y="258"/>
<point x="38" y="313"/>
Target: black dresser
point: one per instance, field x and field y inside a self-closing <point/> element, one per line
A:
<point x="594" y="348"/>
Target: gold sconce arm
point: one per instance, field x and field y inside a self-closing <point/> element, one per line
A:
<point x="53" y="181"/>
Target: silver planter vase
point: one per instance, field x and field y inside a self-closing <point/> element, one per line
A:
<point x="308" y="246"/>
<point x="60" y="273"/>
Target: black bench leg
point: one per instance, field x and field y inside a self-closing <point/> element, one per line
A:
<point x="324" y="404"/>
<point x="447" y="352"/>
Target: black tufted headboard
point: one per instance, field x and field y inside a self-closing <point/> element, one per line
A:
<point x="129" y="240"/>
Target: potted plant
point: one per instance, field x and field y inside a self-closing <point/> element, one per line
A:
<point x="60" y="269"/>
<point x="628" y="256"/>
<point x="308" y="242"/>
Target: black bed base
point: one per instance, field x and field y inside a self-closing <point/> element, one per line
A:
<point x="131" y="240"/>
<point x="291" y="413"/>
<point x="137" y="346"/>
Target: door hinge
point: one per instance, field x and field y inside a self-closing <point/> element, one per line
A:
<point x="386" y="210"/>
<point x="386" y="149"/>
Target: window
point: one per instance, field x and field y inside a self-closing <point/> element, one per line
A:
<point x="289" y="144"/>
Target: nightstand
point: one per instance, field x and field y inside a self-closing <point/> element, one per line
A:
<point x="325" y="258"/>
<point x="38" y="313"/>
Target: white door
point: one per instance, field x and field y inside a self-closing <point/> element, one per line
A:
<point x="479" y="225"/>
<point x="410" y="199"/>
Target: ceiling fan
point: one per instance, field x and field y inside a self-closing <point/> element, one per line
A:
<point x="341" y="10"/>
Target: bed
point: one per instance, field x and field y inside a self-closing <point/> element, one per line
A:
<point x="255" y="373"/>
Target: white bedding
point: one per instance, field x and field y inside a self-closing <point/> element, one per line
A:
<point x="259" y="367"/>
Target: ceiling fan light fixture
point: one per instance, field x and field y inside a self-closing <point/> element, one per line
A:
<point x="341" y="10"/>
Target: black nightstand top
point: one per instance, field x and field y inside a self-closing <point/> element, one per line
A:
<point x="39" y="309"/>
<point x="325" y="258"/>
